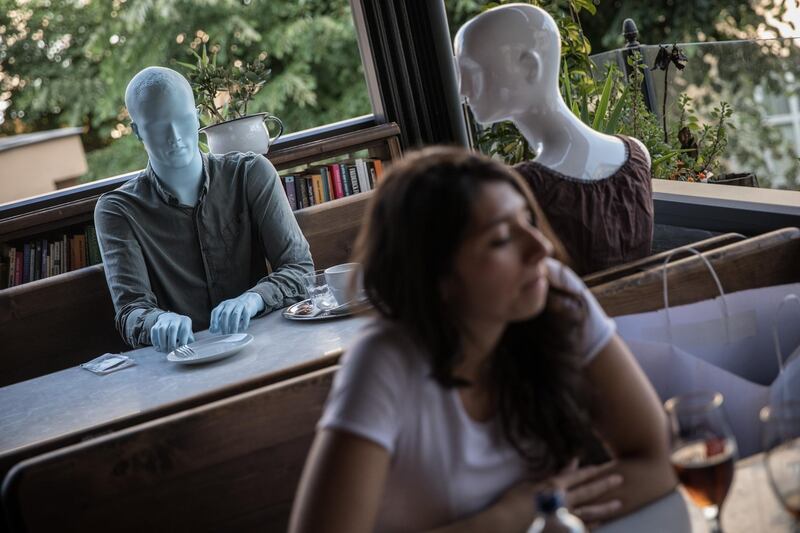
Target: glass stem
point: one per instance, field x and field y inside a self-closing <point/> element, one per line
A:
<point x="712" y="519"/>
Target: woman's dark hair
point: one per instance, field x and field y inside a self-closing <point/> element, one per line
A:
<point x="415" y="225"/>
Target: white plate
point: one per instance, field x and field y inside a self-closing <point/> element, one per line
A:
<point x="213" y="348"/>
<point x="306" y="311"/>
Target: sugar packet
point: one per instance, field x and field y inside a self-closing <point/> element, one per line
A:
<point x="107" y="363"/>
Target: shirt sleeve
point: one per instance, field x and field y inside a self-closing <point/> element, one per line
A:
<point x="598" y="328"/>
<point x="369" y="390"/>
<point x="126" y="274"/>
<point x="284" y="244"/>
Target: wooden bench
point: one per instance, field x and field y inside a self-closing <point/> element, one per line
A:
<point x="65" y="320"/>
<point x="656" y="261"/>
<point x="761" y="261"/>
<point x="231" y="465"/>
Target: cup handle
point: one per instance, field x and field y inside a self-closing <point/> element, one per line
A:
<point x="280" y="126"/>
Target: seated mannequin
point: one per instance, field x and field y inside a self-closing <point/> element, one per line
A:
<point x="184" y="243"/>
<point x="594" y="188"/>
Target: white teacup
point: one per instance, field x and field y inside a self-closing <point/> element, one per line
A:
<point x="338" y="280"/>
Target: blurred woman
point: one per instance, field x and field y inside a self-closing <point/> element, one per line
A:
<point x="488" y="373"/>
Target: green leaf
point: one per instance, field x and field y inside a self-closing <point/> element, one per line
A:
<point x="584" y="105"/>
<point x="616" y="113"/>
<point x="602" y="105"/>
<point x="186" y="65"/>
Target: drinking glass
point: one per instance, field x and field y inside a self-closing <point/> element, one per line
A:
<point x="703" y="450"/>
<point x="781" y="432"/>
<point x="318" y="290"/>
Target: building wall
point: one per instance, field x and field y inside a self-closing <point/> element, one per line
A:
<point x="38" y="168"/>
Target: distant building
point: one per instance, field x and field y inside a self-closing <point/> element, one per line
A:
<point x="41" y="162"/>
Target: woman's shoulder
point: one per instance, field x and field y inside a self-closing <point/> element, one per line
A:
<point x="564" y="277"/>
<point x="386" y="347"/>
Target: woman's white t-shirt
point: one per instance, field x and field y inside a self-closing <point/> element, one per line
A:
<point x="445" y="466"/>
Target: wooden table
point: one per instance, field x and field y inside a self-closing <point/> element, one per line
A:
<point x="751" y="507"/>
<point x="71" y="405"/>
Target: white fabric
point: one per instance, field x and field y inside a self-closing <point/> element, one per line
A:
<point x="673" y="371"/>
<point x="734" y="355"/>
<point x="745" y="348"/>
<point x="445" y="466"/>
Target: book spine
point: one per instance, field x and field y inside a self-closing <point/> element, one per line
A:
<point x="19" y="269"/>
<point x="329" y="181"/>
<point x="310" y="190"/>
<point x="363" y="175"/>
<point x="72" y="247"/>
<point x="57" y="257"/>
<point x="45" y="272"/>
<point x="290" y="192"/>
<point x="26" y="263"/>
<point x="51" y="250"/>
<point x="37" y="261"/>
<point x="316" y="187"/>
<point x="336" y="178"/>
<point x="64" y="253"/>
<point x="373" y="179"/>
<point x="302" y="192"/>
<point x="81" y="240"/>
<point x="327" y="193"/>
<point x="353" y="173"/>
<point x="12" y="265"/>
<point x="378" y="170"/>
<point x="348" y="188"/>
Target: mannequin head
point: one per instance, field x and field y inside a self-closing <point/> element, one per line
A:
<point x="508" y="59"/>
<point x="163" y="114"/>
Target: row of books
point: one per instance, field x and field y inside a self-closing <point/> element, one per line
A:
<point x="42" y="258"/>
<point x="331" y="182"/>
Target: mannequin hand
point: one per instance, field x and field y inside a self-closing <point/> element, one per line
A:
<point x="233" y="316"/>
<point x="584" y="488"/>
<point x="170" y="331"/>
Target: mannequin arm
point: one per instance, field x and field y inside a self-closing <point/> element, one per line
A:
<point x="233" y="316"/>
<point x="126" y="273"/>
<point x="170" y="331"/>
<point x="285" y="246"/>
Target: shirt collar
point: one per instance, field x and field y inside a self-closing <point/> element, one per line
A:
<point x="169" y="198"/>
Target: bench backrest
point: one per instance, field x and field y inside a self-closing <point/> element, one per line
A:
<point x="65" y="320"/>
<point x="231" y="465"/>
<point x="768" y="259"/>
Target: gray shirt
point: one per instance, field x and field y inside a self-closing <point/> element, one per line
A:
<point x="162" y="256"/>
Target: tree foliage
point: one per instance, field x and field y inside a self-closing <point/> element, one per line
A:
<point x="736" y="72"/>
<point x="67" y="62"/>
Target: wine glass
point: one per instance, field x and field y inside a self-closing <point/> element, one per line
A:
<point x="781" y="432"/>
<point x="703" y="450"/>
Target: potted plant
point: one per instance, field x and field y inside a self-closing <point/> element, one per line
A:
<point x="222" y="94"/>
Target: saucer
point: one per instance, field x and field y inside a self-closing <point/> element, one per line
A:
<point x="212" y="348"/>
<point x="305" y="310"/>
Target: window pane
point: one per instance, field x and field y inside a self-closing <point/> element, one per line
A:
<point x="68" y="63"/>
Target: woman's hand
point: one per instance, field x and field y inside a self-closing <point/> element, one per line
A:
<point x="584" y="488"/>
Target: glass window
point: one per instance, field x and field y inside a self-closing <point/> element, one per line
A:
<point x="68" y="63"/>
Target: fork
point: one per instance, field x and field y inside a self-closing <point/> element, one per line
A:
<point x="184" y="352"/>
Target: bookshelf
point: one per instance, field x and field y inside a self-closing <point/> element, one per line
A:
<point x="42" y="222"/>
<point x="68" y="318"/>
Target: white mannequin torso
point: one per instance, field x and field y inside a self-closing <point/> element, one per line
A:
<point x="508" y="60"/>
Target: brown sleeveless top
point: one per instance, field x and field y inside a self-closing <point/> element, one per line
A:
<point x="602" y="223"/>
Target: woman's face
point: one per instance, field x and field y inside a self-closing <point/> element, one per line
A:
<point x="500" y="275"/>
